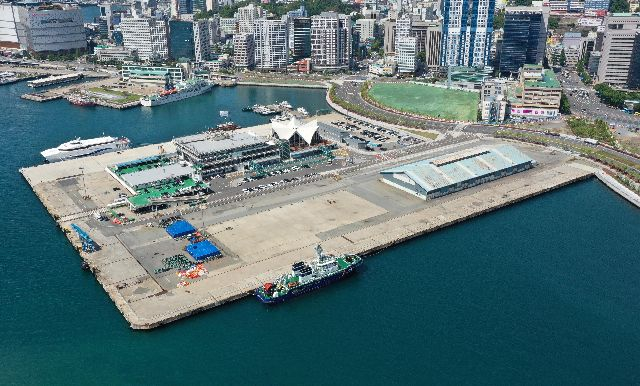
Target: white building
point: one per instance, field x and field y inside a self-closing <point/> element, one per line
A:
<point x="620" y="48"/>
<point x="113" y="54"/>
<point x="271" y="44"/>
<point x="406" y="51"/>
<point x="244" y="51"/>
<point x="296" y="132"/>
<point x="202" y="40"/>
<point x="146" y="35"/>
<point x="52" y="28"/>
<point x="9" y="19"/>
<point x="228" y="25"/>
<point x="331" y="41"/>
<point x="366" y="28"/>
<point x="247" y="16"/>
<point x="493" y="99"/>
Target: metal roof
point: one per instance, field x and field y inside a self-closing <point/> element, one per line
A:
<point x="156" y="174"/>
<point x="439" y="172"/>
<point x="206" y="143"/>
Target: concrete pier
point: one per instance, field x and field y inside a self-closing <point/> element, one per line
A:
<point x="261" y="236"/>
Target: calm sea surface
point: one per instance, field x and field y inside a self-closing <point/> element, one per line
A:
<point x="543" y="292"/>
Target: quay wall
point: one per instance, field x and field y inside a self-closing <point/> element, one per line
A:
<point x="292" y="85"/>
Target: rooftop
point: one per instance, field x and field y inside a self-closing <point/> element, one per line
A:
<point x="206" y="143"/>
<point x="451" y="169"/>
<point x="160" y="173"/>
<point x="549" y="80"/>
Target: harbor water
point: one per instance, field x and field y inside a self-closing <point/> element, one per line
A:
<point x="542" y="292"/>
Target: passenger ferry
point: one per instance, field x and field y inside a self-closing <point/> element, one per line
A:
<point x="180" y="91"/>
<point x="85" y="147"/>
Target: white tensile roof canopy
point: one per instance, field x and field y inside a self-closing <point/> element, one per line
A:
<point x="287" y="129"/>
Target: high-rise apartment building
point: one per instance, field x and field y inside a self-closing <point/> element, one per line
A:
<point x="620" y="50"/>
<point x="524" y="38"/>
<point x="466" y="32"/>
<point x="201" y="40"/>
<point x="271" y="44"/>
<point x="247" y="16"/>
<point x="331" y="41"/>
<point x="147" y="36"/>
<point x="244" y="51"/>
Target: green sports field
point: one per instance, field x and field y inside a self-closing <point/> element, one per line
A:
<point x="427" y="100"/>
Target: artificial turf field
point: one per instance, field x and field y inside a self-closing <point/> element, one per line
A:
<point x="427" y="100"/>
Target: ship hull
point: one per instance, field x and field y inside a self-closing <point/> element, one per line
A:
<point x="54" y="155"/>
<point x="308" y="287"/>
<point x="174" y="97"/>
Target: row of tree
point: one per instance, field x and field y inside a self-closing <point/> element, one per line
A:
<point x="314" y="7"/>
<point x="612" y="97"/>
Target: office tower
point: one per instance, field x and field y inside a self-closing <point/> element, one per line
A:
<point x="366" y="28"/>
<point x="301" y="34"/>
<point x="52" y="28"/>
<point x="619" y="50"/>
<point x="181" y="40"/>
<point x="524" y="38"/>
<point x="428" y="36"/>
<point x="466" y="32"/>
<point x="406" y="51"/>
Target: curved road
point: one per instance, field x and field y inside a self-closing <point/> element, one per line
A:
<point x="350" y="91"/>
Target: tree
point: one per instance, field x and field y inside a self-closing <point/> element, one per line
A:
<point x="554" y="22"/>
<point x="618" y="6"/>
<point x="565" y="107"/>
<point x="563" y="58"/>
<point x="498" y="20"/>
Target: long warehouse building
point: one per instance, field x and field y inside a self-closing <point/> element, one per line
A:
<point x="440" y="176"/>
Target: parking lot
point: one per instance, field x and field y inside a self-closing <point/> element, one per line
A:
<point x="376" y="137"/>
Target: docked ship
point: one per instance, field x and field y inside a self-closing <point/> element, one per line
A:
<point x="304" y="277"/>
<point x="227" y="126"/>
<point x="81" y="101"/>
<point x="85" y="147"/>
<point x="180" y="91"/>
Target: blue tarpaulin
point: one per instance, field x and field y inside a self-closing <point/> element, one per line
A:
<point x="203" y="250"/>
<point x="180" y="228"/>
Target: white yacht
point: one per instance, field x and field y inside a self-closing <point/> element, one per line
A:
<point x="182" y="90"/>
<point x="85" y="147"/>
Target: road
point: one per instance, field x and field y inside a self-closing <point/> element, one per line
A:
<point x="588" y="105"/>
<point x="350" y="91"/>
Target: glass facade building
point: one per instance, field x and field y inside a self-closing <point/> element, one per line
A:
<point x="301" y="38"/>
<point x="523" y="41"/>
<point x="181" y="40"/>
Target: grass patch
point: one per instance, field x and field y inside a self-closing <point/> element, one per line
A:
<point x="427" y="100"/>
<point x="121" y="96"/>
<point x="597" y="129"/>
<point x="425" y="134"/>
